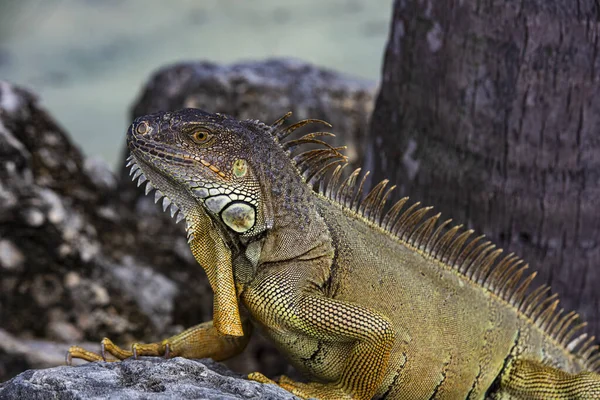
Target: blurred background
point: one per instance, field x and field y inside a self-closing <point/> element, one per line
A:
<point x="88" y="59"/>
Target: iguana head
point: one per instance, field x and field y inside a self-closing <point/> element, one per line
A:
<point x="205" y="166"/>
<point x="196" y="159"/>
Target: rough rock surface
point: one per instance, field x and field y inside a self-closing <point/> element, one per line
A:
<point x="148" y="378"/>
<point x="71" y="264"/>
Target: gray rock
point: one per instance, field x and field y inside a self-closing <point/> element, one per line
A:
<point x="147" y="378"/>
<point x="72" y="263"/>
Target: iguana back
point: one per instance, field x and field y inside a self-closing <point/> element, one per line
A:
<point x="455" y="331"/>
<point x="367" y="299"/>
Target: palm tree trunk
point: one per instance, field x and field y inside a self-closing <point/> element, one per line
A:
<point x="490" y="110"/>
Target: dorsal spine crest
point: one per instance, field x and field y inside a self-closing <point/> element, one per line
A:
<point x="477" y="260"/>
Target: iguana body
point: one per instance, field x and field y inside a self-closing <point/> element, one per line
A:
<point x="368" y="300"/>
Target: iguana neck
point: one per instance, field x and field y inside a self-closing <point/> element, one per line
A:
<point x="292" y="209"/>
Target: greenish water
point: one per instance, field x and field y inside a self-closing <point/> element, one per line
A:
<point x="89" y="58"/>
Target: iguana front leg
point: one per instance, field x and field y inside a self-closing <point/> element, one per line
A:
<point x="282" y="300"/>
<point x="200" y="341"/>
<point x="527" y="379"/>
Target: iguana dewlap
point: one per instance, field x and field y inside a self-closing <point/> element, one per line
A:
<point x="369" y="300"/>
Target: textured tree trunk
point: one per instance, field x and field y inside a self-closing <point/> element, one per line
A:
<point x="490" y="111"/>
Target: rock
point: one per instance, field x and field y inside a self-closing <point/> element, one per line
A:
<point x="72" y="265"/>
<point x="147" y="378"/>
<point x="19" y="354"/>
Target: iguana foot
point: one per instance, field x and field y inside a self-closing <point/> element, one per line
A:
<point x="107" y="346"/>
<point x="199" y="341"/>
<point x="311" y="390"/>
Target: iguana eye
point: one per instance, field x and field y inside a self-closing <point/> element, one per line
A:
<point x="142" y="128"/>
<point x="201" y="136"/>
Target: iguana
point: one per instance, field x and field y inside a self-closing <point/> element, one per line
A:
<point x="369" y="300"/>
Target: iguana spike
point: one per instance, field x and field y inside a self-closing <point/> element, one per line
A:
<point x="518" y="295"/>
<point x="471" y="255"/>
<point x="595" y="361"/>
<point x="174" y="209"/>
<point x="137" y="172"/>
<point x="316" y="154"/>
<point x="547" y="313"/>
<point x="531" y="300"/>
<point x="431" y="242"/>
<point x="347" y="188"/>
<point x="141" y="180"/>
<point x="542" y="306"/>
<point x="133" y="169"/>
<point x="375" y="201"/>
<point x="492" y="280"/>
<point x="588" y="348"/>
<point x="565" y="324"/>
<point x="508" y="273"/>
<point x="545" y="309"/>
<point x="502" y="271"/>
<point x="392" y="215"/>
<point x="292" y="144"/>
<point x="358" y="195"/>
<point x="318" y="174"/>
<point x="333" y="181"/>
<point x="419" y="237"/>
<point x="551" y="324"/>
<point x="396" y="228"/>
<point x="308" y="155"/>
<point x="511" y="283"/>
<point x="457" y="245"/>
<point x="568" y="340"/>
<point x="148" y="188"/>
<point x="461" y="259"/>
<point x="575" y="343"/>
<point x="452" y="248"/>
<point x="381" y="204"/>
<point x="370" y="202"/>
<point x="441" y="246"/>
<point x="484" y="265"/>
<point x="479" y="255"/>
<point x="277" y="124"/>
<point x="166" y="203"/>
<point x="281" y="135"/>
<point x="311" y="167"/>
<point x="411" y="223"/>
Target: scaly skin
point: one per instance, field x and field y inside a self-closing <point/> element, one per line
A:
<point x="366" y="305"/>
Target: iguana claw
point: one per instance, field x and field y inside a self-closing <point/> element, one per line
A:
<point x="167" y="351"/>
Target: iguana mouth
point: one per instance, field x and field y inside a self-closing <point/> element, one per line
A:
<point x="137" y="173"/>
